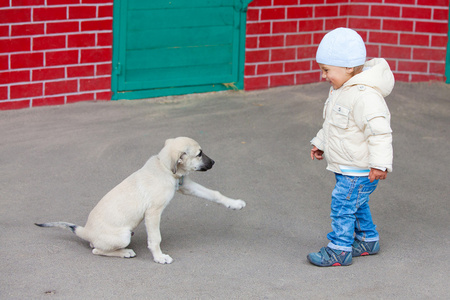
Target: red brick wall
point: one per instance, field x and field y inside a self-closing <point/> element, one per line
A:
<point x="59" y="51"/>
<point x="54" y="52"/>
<point x="283" y="35"/>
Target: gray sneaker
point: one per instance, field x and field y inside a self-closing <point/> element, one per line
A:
<point x="360" y="248"/>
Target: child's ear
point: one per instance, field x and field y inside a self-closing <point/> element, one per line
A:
<point x="350" y="70"/>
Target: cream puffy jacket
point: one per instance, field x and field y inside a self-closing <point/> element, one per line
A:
<point x="356" y="132"/>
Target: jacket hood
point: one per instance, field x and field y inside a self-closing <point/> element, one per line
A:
<point x="377" y="74"/>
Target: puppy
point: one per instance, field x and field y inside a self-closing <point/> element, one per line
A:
<point x="144" y="195"/>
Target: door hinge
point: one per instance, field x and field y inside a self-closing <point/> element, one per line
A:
<point x="118" y="69"/>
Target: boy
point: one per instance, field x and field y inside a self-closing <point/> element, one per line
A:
<point x="356" y="141"/>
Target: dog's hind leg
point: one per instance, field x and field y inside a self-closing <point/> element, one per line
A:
<point x="123" y="253"/>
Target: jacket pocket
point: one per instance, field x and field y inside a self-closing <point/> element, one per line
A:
<point x="339" y="116"/>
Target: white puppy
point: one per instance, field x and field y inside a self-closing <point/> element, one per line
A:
<point x="144" y="195"/>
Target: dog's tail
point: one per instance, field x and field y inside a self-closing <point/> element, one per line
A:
<point x="70" y="226"/>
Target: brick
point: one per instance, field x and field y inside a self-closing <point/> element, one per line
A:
<point x="92" y="84"/>
<point x="440" y="14"/>
<point x="383" y="37"/>
<point x="258" y="28"/>
<point x="49" y="13"/>
<point x="401" y="77"/>
<point x="96" y="55"/>
<point x="425" y="77"/>
<point x="396" y="52"/>
<point x="403" y="2"/>
<point x="27" y="29"/>
<point x="306" y="52"/>
<point x="25" y="90"/>
<point x="416" y="12"/>
<point x="3" y="93"/>
<point x="103" y="96"/>
<point x="317" y="37"/>
<point x="433" y="2"/>
<point x="354" y="10"/>
<point x="80" y="71"/>
<point x="14" y="77"/>
<point x="297" y="66"/>
<point x="256" y="83"/>
<point x="96" y="1"/>
<point x="283" y="54"/>
<point x="431" y="27"/>
<point x="412" y="66"/>
<point x="48" y="74"/>
<point x="298" y="39"/>
<point x="257" y="56"/>
<point x="103" y="69"/>
<point x="4" y="31"/>
<point x="282" y="80"/>
<point x="27" y="2"/>
<point x="438" y="68"/>
<point x="96" y="25"/>
<point x="49" y="42"/>
<point x="331" y="24"/>
<point x="252" y="15"/>
<point x="310" y="25"/>
<point x="15" y="45"/>
<point x="249" y="70"/>
<point x="373" y="50"/>
<point x="367" y="23"/>
<point x="81" y="40"/>
<point x="9" y="105"/>
<point x="414" y="39"/>
<point x="271" y="41"/>
<point x="58" y="58"/>
<point x="82" y="12"/>
<point x="17" y="15"/>
<point x="63" y="27"/>
<point x="62" y="2"/>
<point x="284" y="27"/>
<point x="300" y="12"/>
<point x="27" y="60"/>
<point x="392" y="11"/>
<point x="105" y="11"/>
<point x="315" y="2"/>
<point x="439" y="41"/>
<point x="61" y="87"/>
<point x="326" y="11"/>
<point x="263" y="69"/>
<point x="285" y="2"/>
<point x="398" y="25"/>
<point x="273" y="14"/>
<point x="251" y="42"/>
<point x="80" y="97"/>
<point x="429" y="54"/>
<point x="307" y="77"/>
<point x="4" y="62"/>
<point x="45" y="101"/>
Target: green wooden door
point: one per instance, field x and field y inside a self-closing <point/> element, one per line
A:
<point x="169" y="47"/>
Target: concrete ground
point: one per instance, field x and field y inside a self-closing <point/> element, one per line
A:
<point x="57" y="162"/>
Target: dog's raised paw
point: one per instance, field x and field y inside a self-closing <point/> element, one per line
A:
<point x="163" y="259"/>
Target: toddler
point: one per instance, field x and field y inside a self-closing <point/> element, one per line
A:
<point x="356" y="142"/>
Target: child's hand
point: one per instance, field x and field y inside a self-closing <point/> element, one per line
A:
<point x="376" y="174"/>
<point x="315" y="152"/>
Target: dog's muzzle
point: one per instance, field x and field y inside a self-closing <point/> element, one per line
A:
<point x="207" y="163"/>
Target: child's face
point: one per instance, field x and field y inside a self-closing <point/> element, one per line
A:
<point x="337" y="76"/>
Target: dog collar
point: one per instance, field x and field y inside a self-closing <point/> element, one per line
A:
<point x="180" y="182"/>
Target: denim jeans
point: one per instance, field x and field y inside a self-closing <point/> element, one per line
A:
<point x="350" y="212"/>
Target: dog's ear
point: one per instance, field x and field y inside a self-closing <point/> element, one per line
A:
<point x="177" y="160"/>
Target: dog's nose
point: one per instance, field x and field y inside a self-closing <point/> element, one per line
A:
<point x="212" y="162"/>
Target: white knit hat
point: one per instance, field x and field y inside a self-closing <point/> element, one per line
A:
<point x="342" y="47"/>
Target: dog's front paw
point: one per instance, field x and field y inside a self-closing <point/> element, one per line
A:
<point x="236" y="204"/>
<point x="163" y="259"/>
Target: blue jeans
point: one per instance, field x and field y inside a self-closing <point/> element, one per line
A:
<point x="350" y="212"/>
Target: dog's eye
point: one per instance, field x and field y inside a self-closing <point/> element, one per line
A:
<point x="200" y="154"/>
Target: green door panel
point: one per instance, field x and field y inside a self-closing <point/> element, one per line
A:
<point x="172" y="47"/>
